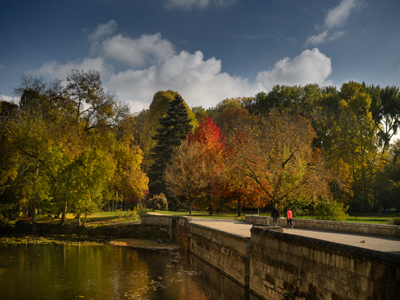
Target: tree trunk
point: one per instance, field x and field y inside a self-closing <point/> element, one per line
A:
<point x="239" y="207"/>
<point x="34" y="228"/>
<point x="190" y="210"/>
<point x="64" y="213"/>
<point x="33" y="215"/>
<point x="210" y="209"/>
<point x="79" y="220"/>
<point x="84" y="220"/>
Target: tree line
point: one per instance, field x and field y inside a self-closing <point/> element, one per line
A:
<point x="294" y="146"/>
<point x="76" y="148"/>
<point x="66" y="149"/>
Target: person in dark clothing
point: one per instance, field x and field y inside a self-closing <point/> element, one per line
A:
<point x="275" y="214"/>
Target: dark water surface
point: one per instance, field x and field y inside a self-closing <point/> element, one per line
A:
<point x="40" y="271"/>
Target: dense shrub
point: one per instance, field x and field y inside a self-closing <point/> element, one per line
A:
<point x="394" y="221"/>
<point x="158" y="202"/>
<point x="334" y="211"/>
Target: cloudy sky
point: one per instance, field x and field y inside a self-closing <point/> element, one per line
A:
<point x="207" y="50"/>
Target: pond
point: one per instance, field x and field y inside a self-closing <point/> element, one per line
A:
<point x="43" y="271"/>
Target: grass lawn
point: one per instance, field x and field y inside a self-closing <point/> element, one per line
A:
<point x="99" y="218"/>
<point x="372" y="218"/>
<point x="202" y="214"/>
<point x="119" y="217"/>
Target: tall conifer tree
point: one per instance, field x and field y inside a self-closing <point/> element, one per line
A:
<point x="174" y="129"/>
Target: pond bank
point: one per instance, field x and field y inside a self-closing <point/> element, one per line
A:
<point x="132" y="234"/>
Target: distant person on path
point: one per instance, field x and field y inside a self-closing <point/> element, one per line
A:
<point x="289" y="218"/>
<point x="275" y="215"/>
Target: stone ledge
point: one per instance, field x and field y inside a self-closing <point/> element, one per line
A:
<point x="360" y="228"/>
<point x="333" y="248"/>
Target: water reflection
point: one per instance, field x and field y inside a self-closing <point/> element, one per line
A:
<point x="35" y="271"/>
<point x="216" y="284"/>
<point x="93" y="272"/>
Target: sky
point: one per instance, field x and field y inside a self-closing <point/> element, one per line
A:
<point x="207" y="50"/>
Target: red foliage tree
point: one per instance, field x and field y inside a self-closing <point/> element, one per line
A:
<point x="240" y="187"/>
<point x="209" y="135"/>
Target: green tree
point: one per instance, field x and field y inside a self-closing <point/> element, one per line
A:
<point x="385" y="103"/>
<point x="175" y="126"/>
<point x="387" y="180"/>
<point x="158" y="109"/>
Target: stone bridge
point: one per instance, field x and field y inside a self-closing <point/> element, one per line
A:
<point x="315" y="260"/>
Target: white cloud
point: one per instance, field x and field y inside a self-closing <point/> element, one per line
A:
<point x="199" y="81"/>
<point x="335" y="17"/>
<point x="336" y="35"/>
<point x="9" y="98"/>
<point x="311" y="66"/>
<point x="153" y="65"/>
<point x="55" y="70"/>
<point x="103" y="30"/>
<point x="188" y="4"/>
<point x="323" y="37"/>
<point x="138" y="52"/>
<point x="317" y="39"/>
<point x="338" y="15"/>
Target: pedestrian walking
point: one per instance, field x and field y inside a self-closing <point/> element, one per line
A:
<point x="275" y="214"/>
<point x="289" y="218"/>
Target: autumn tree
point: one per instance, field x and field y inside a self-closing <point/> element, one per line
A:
<point x="279" y="157"/>
<point x="209" y="136"/>
<point x="184" y="175"/>
<point x="237" y="185"/>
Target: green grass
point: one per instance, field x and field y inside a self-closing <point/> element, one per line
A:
<point x="201" y="214"/>
<point x="113" y="217"/>
<point x="99" y="217"/>
<point x="370" y="218"/>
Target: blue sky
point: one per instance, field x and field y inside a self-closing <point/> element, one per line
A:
<point x="207" y="50"/>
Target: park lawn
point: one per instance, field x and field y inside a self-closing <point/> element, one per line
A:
<point x="201" y="214"/>
<point x="369" y="218"/>
<point x="99" y="217"/>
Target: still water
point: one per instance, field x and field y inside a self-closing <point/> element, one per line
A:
<point x="40" y="271"/>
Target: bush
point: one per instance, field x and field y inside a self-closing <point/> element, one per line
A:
<point x="394" y="221"/>
<point x="158" y="202"/>
<point x="333" y="211"/>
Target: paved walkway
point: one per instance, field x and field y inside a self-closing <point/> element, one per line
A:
<point x="384" y="244"/>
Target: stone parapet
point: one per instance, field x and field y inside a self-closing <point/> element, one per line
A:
<point x="358" y="228"/>
<point x="317" y="269"/>
<point x="226" y="252"/>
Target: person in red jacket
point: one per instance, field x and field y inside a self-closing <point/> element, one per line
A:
<point x="289" y="218"/>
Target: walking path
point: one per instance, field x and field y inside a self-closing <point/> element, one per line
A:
<point x="384" y="244"/>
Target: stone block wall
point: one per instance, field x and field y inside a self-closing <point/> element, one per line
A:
<point x="358" y="228"/>
<point x="318" y="269"/>
<point x="216" y="285"/>
<point x="166" y="223"/>
<point x="226" y="252"/>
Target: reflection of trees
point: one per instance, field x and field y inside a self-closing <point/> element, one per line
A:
<point x="38" y="271"/>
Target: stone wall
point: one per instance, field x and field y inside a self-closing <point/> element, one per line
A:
<point x="317" y="269"/>
<point x="226" y="252"/>
<point x="166" y="223"/>
<point x="216" y="285"/>
<point x="359" y="228"/>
